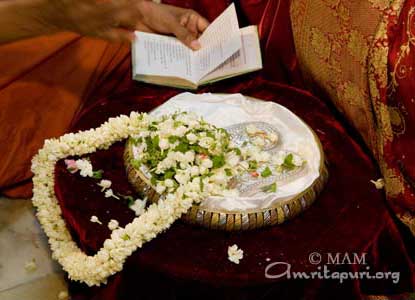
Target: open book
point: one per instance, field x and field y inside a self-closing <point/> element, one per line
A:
<point x="226" y="51"/>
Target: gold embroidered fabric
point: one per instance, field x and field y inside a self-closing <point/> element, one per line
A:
<point x="342" y="47"/>
<point x="332" y="39"/>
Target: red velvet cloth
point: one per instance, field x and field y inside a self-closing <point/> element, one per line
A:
<point x="401" y="106"/>
<point x="186" y="262"/>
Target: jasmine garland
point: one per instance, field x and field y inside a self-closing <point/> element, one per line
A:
<point x="94" y="270"/>
<point x="187" y="159"/>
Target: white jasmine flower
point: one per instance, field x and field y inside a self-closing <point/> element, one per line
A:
<point x="94" y="219"/>
<point x="30" y="266"/>
<point x="192" y="138"/>
<point x="182" y="177"/>
<point x="139" y="206"/>
<point x="235" y="254"/>
<point x="180" y="131"/>
<point x="220" y="177"/>
<point x="379" y="183"/>
<point x="194" y="171"/>
<point x="164" y="144"/>
<point x="113" y="224"/>
<point x="104" y="184"/>
<point x="189" y="156"/>
<point x="109" y="193"/>
<point x="206" y="163"/>
<point x="206" y="142"/>
<point x="203" y="170"/>
<point x="160" y="188"/>
<point x="169" y="183"/>
<point x="85" y="167"/>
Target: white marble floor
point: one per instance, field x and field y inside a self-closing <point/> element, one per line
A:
<point x="22" y="241"/>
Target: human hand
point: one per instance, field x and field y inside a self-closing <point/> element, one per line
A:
<point x="116" y="20"/>
<point x="103" y="19"/>
<point x="186" y="24"/>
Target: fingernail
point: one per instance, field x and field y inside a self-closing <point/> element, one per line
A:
<point x="195" y="45"/>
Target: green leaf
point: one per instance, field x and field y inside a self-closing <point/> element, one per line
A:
<point x="136" y="163"/>
<point x="266" y="173"/>
<point x="177" y="124"/>
<point x="182" y="147"/>
<point x="168" y="174"/>
<point x="153" y="180"/>
<point x="137" y="140"/>
<point x="237" y="151"/>
<point x="201" y="185"/>
<point x="130" y="200"/>
<point x="253" y="165"/>
<point x="198" y="149"/>
<point x="288" y="162"/>
<point x="272" y="188"/>
<point x="97" y="174"/>
<point x="173" y="139"/>
<point x="156" y="141"/>
<point x="218" y="161"/>
<point x="210" y="134"/>
<point x="228" y="172"/>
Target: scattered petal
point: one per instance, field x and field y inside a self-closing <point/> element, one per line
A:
<point x="71" y="166"/>
<point x="94" y="219"/>
<point x="235" y="254"/>
<point x="85" y="167"/>
<point x="109" y="193"/>
<point x="379" y="184"/>
<point x="104" y="184"/>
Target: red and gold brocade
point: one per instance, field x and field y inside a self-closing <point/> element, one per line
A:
<point x="360" y="55"/>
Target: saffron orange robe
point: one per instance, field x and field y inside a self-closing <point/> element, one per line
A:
<point x="46" y="81"/>
<point x="43" y="83"/>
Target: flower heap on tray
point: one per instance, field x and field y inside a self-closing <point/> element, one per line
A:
<point x="184" y="148"/>
<point x="186" y="160"/>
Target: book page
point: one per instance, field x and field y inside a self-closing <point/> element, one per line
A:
<point x="219" y="41"/>
<point x="155" y="54"/>
<point x="248" y="58"/>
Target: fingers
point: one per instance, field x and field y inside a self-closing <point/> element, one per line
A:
<point x="194" y="22"/>
<point x="185" y="36"/>
<point x="202" y="24"/>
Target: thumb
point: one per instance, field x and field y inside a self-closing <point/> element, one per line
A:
<point x="185" y="36"/>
